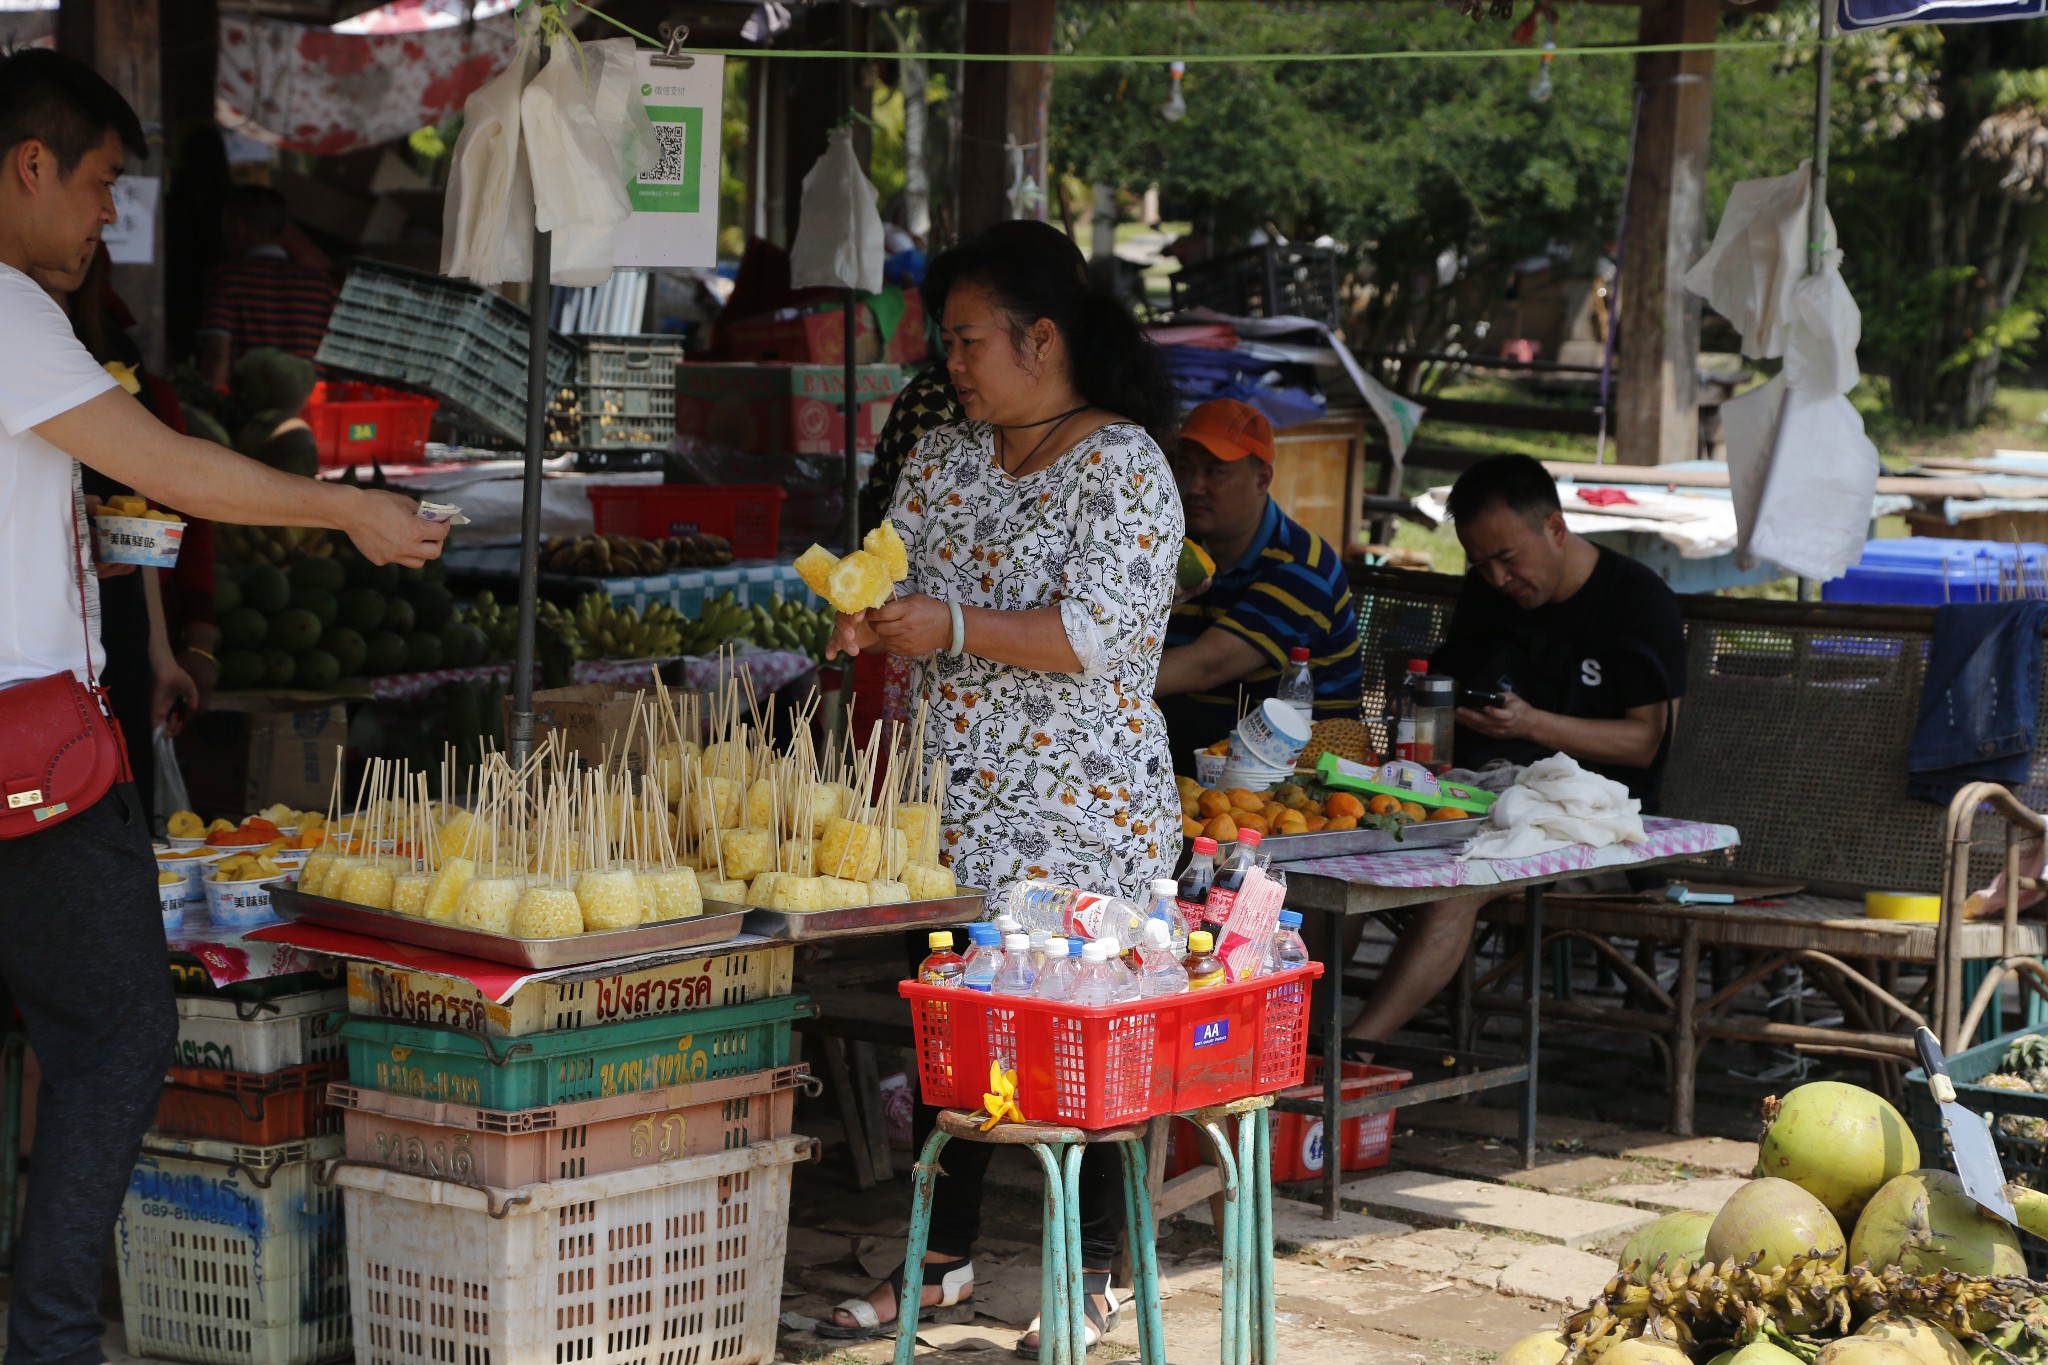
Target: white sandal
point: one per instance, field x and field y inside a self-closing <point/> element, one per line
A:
<point x="1095" y="1324"/>
<point x="956" y="1287"/>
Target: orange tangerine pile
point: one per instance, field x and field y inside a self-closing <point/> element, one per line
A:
<point x="1287" y="809"/>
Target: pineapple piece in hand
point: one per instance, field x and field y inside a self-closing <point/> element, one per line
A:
<point x="886" y="545"/>
<point x="858" y="582"/>
<point x="814" y="567"/>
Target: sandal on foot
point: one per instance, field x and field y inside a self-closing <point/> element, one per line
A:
<point x="1094" y="1284"/>
<point x="955" y="1281"/>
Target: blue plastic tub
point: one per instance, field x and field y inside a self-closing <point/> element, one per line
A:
<point x="1908" y="572"/>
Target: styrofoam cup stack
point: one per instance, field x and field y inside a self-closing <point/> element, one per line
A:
<point x="1272" y="733"/>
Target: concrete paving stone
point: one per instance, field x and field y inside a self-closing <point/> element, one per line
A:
<point x="1556" y="1275"/>
<point x="1432" y="1251"/>
<point x="1446" y="1199"/>
<point x="1473" y="1120"/>
<point x="1705" y="1195"/>
<point x="1554" y="1172"/>
<point x="1713" y="1155"/>
<point x="1301" y="1226"/>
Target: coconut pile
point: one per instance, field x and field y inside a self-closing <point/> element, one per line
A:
<point x="1843" y="1250"/>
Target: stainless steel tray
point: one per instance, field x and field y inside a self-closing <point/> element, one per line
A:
<point x="855" y="920"/>
<point x="539" y="954"/>
<point x="1344" y="843"/>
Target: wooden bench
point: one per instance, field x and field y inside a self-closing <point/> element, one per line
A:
<point x="1794" y="729"/>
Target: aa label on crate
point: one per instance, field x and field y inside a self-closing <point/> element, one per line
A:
<point x="675" y="202"/>
<point x="1213" y="1032"/>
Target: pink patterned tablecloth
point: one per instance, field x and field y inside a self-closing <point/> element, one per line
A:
<point x="1441" y="867"/>
<point x="230" y="955"/>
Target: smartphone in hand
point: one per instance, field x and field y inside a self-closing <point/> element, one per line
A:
<point x="1480" y="701"/>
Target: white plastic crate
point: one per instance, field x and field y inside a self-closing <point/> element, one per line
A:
<point x="261" y="1036"/>
<point x="233" y="1255"/>
<point x="674" y="1264"/>
<point x="758" y="972"/>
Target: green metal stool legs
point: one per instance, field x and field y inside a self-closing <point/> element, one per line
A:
<point x="1247" y="1231"/>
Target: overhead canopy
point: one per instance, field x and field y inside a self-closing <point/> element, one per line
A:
<point x="1862" y="14"/>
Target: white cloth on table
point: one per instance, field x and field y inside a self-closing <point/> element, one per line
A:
<point x="1555" y="804"/>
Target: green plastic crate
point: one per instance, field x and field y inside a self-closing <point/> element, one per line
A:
<point x="569" y="1065"/>
<point x="2025" y="1159"/>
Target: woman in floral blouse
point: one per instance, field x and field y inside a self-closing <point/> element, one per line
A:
<point x="1042" y="532"/>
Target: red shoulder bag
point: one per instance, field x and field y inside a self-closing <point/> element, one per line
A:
<point x="60" y="747"/>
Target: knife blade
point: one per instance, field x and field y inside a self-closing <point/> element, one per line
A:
<point x="1969" y="1137"/>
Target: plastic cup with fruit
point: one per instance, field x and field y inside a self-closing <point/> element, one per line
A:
<point x="127" y="530"/>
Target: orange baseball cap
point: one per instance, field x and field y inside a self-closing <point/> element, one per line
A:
<point x="1230" y="430"/>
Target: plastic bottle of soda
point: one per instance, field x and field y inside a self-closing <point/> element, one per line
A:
<point x="1404" y="709"/>
<point x="984" y="955"/>
<point x="1229" y="878"/>
<point x="944" y="967"/>
<point x="1203" y="967"/>
<point x="1013" y="974"/>
<point x="1298" y="689"/>
<point x="1191" y="895"/>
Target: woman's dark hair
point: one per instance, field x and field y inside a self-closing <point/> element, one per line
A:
<point x="1035" y="271"/>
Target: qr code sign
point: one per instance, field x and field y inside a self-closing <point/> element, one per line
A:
<point x="676" y="141"/>
<point x="674" y="184"/>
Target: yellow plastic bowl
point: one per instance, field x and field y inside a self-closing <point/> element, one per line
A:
<point x="1902" y="905"/>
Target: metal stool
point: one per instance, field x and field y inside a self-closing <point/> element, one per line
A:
<point x="1247" y="1230"/>
<point x="1062" y="1313"/>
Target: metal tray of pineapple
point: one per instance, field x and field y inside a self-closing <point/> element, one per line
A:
<point x="718" y="924"/>
<point x="1348" y="843"/>
<point x="853" y="920"/>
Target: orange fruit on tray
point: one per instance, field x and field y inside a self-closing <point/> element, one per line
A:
<point x="1257" y="822"/>
<point x="1448" y="813"/>
<point x="1385" y="805"/>
<point x="1318" y="823"/>
<point x="1211" y="804"/>
<point x="1342" y="822"/>
<point x="1222" y="829"/>
<point x="1414" y="810"/>
<point x="1190" y="828"/>
<point x="1342" y="804"/>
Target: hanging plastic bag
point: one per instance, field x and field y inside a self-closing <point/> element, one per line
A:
<point x="170" y="778"/>
<point x="487" y="226"/>
<point x="839" y="225"/>
<point x="579" y="183"/>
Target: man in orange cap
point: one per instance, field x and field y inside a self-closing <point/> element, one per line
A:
<point x="1279" y="588"/>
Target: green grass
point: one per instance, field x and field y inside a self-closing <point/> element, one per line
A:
<point x="2018" y="420"/>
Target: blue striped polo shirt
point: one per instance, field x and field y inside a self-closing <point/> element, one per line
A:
<point x="1287" y="591"/>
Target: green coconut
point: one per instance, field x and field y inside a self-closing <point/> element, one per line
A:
<point x="1860" y="1350"/>
<point x="1930" y="1344"/>
<point x="1644" y="1351"/>
<point x="1779" y="1219"/>
<point x="1763" y="1353"/>
<point x="1923" y="1223"/>
<point x="1725" y="1358"/>
<point x="1539" y="1348"/>
<point x="1679" y="1239"/>
<point x="1840" y="1143"/>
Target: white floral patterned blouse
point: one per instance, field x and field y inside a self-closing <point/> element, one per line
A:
<point x="1052" y="775"/>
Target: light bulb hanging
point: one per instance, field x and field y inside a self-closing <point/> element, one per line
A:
<point x="1540" y="89"/>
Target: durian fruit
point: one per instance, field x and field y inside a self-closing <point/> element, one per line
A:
<point x="919" y="821"/>
<point x="674" y="891"/>
<point x="409" y="893"/>
<point x="886" y="545"/>
<point x="849" y="850"/>
<point x="881" y="892"/>
<point x="444" y="897"/>
<point x="487" y="904"/>
<point x="546" y="909"/>
<point x="858" y="582"/>
<point x="728" y="892"/>
<point x="930" y="881"/>
<point x="747" y="852"/>
<point x="371" y="884"/>
<point x="610" y="899"/>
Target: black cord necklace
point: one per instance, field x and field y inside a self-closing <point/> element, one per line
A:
<point x="1055" y="423"/>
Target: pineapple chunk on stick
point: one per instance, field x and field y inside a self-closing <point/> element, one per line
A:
<point x="858" y="582"/>
<point x="886" y="545"/>
<point x="850" y="850"/>
<point x="930" y="881"/>
<point x="883" y="892"/>
<point x="730" y="891"/>
<point x="814" y="567"/>
<point x="546" y="909"/>
<point x="747" y="852"/>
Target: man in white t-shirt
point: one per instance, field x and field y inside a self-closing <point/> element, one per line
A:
<point x="80" y="901"/>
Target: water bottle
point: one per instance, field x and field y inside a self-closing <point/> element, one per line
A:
<point x="944" y="967"/>
<point x="1056" y="980"/>
<point x="1288" y="951"/>
<point x="1298" y="689"/>
<point x="1096" y="984"/>
<point x="984" y="955"/>
<point x="1041" y="951"/>
<point x="1404" y="709"/>
<point x="1159" y="969"/>
<point x="1074" y="913"/>
<point x="1014" y="975"/>
<point x="1164" y="908"/>
<point x="1007" y="924"/>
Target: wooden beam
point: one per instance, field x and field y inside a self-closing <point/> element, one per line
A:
<point x="122" y="41"/>
<point x="1657" y="417"/>
<point x="1003" y="105"/>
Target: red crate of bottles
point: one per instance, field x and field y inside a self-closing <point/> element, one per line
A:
<point x="1110" y="1065"/>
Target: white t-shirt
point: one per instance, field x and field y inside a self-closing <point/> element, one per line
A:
<point x="44" y="372"/>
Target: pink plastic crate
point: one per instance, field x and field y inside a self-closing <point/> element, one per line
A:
<point x="507" y="1148"/>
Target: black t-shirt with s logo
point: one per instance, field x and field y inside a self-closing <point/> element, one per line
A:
<point x="1616" y="644"/>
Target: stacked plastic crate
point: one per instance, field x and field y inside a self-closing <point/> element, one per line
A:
<point x="230" y="1252"/>
<point x="595" y="1171"/>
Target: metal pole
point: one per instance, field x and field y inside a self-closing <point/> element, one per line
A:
<point x="851" y="322"/>
<point x="519" y="734"/>
<point x="1823" y="97"/>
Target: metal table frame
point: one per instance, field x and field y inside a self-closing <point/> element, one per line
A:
<point x="1473" y="1072"/>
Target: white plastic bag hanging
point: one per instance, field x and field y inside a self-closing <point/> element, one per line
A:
<point x="579" y="183"/>
<point x="170" y="778"/>
<point x="487" y="226"/>
<point x="839" y="225"/>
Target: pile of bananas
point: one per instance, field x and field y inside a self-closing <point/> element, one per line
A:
<point x="631" y="556"/>
<point x="598" y="628"/>
<point x="279" y="545"/>
<point x="775" y="624"/>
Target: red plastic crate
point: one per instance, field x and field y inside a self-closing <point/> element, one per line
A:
<point x="747" y="514"/>
<point x="364" y="423"/>
<point x="1298" y="1148"/>
<point x="256" y="1111"/>
<point x="1114" y="1064"/>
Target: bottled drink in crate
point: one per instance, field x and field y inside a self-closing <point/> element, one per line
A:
<point x="944" y="967"/>
<point x="1192" y="894"/>
<point x="1288" y="950"/>
<point x="1056" y="982"/>
<point x="1203" y="967"/>
<point x="1159" y="969"/>
<point x="1104" y="979"/>
<point x="1041" y="951"/>
<point x="1014" y="975"/>
<point x="1230" y="879"/>
<point x="1074" y="913"/>
<point x="984" y="955"/>
<point x="1164" y="909"/>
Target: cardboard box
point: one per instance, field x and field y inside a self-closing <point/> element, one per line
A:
<point x="820" y="338"/>
<point x="782" y="409"/>
<point x="237" y="762"/>
<point x="590" y="717"/>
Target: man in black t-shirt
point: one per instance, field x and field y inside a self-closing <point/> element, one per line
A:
<point x="1587" y="650"/>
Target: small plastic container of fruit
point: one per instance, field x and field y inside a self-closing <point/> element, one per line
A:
<point x="193" y="864"/>
<point x="181" y="845"/>
<point x="174" y="896"/>
<point x="144" y="541"/>
<point x="242" y="905"/>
